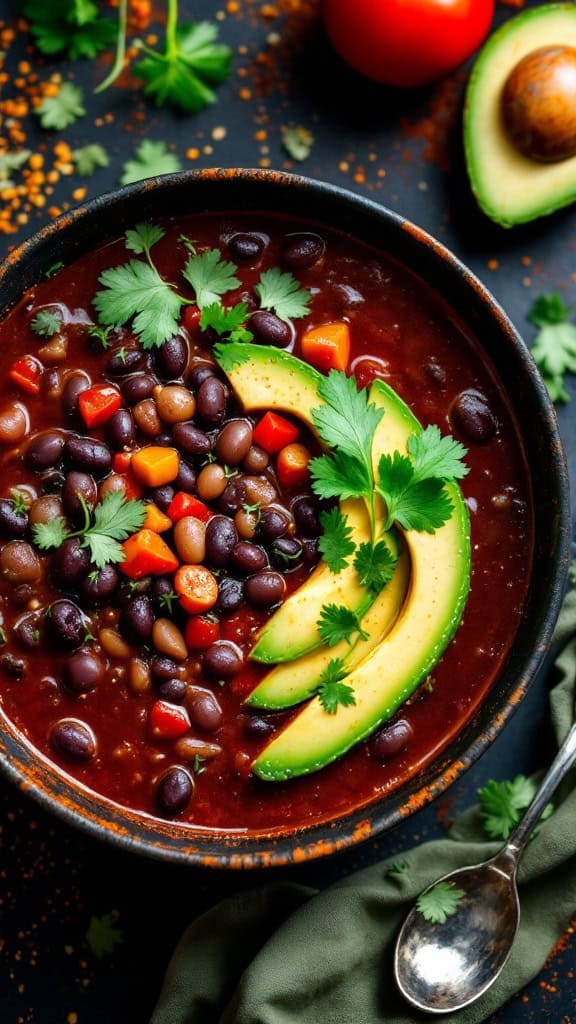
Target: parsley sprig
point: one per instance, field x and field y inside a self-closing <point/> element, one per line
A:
<point x="113" y="520"/>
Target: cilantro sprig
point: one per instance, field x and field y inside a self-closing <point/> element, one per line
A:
<point x="60" y="111"/>
<point x="440" y="902"/>
<point x="75" y="28"/>
<point x="113" y="520"/>
<point x="46" y="322"/>
<point x="503" y="804"/>
<point x="332" y="692"/>
<point x="280" y="292"/>
<point x="337" y="622"/>
<point x="554" y="348"/>
<point x="229" y="324"/>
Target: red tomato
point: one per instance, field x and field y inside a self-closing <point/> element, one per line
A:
<point x="406" y="42"/>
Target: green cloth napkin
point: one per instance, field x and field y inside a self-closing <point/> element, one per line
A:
<point x="288" y="954"/>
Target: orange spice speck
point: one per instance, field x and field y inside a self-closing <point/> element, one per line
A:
<point x="245" y="94"/>
<point x="493" y="264"/>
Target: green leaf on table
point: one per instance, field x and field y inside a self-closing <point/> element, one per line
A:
<point x="89" y="158"/>
<point x="151" y="158"/>
<point x="135" y="291"/>
<point x="548" y="309"/>
<point x="210" y="276"/>
<point x="375" y="565"/>
<point x="103" y="935"/>
<point x="281" y="293"/>
<point x="60" y="111"/>
<point x="335" y="544"/>
<point x="10" y="162"/>
<point x="298" y="142"/>
<point x="554" y="348"/>
<point x="142" y="237"/>
<point x="331" y="691"/>
<point x="46" y="322"/>
<point x="184" y="72"/>
<point x="440" y="902"/>
<point x="337" y="622"/>
<point x="228" y="323"/>
<point x="74" y="26"/>
<point x="503" y="804"/>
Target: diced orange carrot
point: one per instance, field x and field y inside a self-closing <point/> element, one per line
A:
<point x="156" y="520"/>
<point x="196" y="587"/>
<point x="327" y="347"/>
<point x="145" y="553"/>
<point x="155" y="466"/>
<point x="292" y="465"/>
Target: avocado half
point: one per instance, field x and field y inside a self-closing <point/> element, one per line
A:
<point x="510" y="188"/>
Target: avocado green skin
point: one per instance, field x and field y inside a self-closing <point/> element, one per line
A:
<point x="561" y="192"/>
<point x="381" y="683"/>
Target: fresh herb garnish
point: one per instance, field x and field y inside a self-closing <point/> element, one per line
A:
<point x="331" y="691"/>
<point x="101" y="334"/>
<point x="198" y="766"/>
<point x="3" y="637"/>
<point x="89" y="158"/>
<point x="53" y="269"/>
<point x="338" y="623"/>
<point x="280" y="292"/>
<point x="298" y="142"/>
<point x="142" y="237"/>
<point x="335" y="543"/>
<point x="10" y="162"/>
<point x="554" y="348"/>
<point x="20" y="503"/>
<point x="440" y="902"/>
<point x="227" y="323"/>
<point x="46" y="322"/>
<point x="151" y="158"/>
<point x="76" y="27"/>
<point x="135" y="290"/>
<point x="210" y="276"/>
<point x="167" y="600"/>
<point x="60" y="111"/>
<point x="375" y="565"/>
<point x="103" y="936"/>
<point x="398" y="869"/>
<point x="503" y="804"/>
<point x="421" y="505"/>
<point x="112" y="521"/>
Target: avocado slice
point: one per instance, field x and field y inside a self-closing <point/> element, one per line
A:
<point x="510" y="187"/>
<point x="440" y="577"/>
<point x="266" y="377"/>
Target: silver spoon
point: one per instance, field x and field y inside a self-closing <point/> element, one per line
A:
<point x="441" y="968"/>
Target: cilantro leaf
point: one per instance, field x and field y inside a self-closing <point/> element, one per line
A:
<point x="115" y="518"/>
<point x="47" y="322"/>
<point x="298" y="142"/>
<point x="440" y="902"/>
<point x="101" y="334"/>
<point x="421" y="505"/>
<point x="11" y="162"/>
<point x="142" y="237"/>
<point x="281" y="292"/>
<point x="20" y="503"/>
<point x="339" y="476"/>
<point x="548" y="309"/>
<point x="375" y="565"/>
<point x="210" y="276"/>
<point x="335" y="544"/>
<point x="191" y="62"/>
<point x="103" y="936"/>
<point x="554" y="352"/>
<point x="338" y="623"/>
<point x="49" y="535"/>
<point x="398" y="869"/>
<point x="503" y="803"/>
<point x="60" y="111"/>
<point x="87" y="159"/>
<point x="76" y="28"/>
<point x="347" y="421"/>
<point x="228" y="323"/>
<point x="135" y="290"/>
<point x="435" y="456"/>
<point x="151" y="158"/>
<point x="331" y="692"/>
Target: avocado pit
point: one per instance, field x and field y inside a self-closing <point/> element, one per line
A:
<point x="539" y="104"/>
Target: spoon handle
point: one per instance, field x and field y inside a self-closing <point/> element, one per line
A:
<point x="559" y="768"/>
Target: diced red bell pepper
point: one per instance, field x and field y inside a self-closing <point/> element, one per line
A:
<point x="121" y="461"/>
<point x="201" y="632"/>
<point x="167" y="721"/>
<point x="98" y="404"/>
<point x="184" y="504"/>
<point x="26" y="372"/>
<point x="132" y="489"/>
<point x="273" y="432"/>
<point x="191" y="318"/>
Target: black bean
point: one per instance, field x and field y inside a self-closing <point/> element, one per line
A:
<point x="52" y="481"/>
<point x="230" y="595"/>
<point x="186" y="479"/>
<point x="287" y="553"/>
<point x="99" y="585"/>
<point x="73" y="739"/>
<point x="265" y="588"/>
<point x="88" y="455"/>
<point x="256" y="460"/>
<point x="270" y="329"/>
<point x="129" y="589"/>
<point x="205" y="711"/>
<point x="245" y="248"/>
<point x="44" y="450"/>
<point x="137" y="388"/>
<point x="310" y="550"/>
<point x="164" y="668"/>
<point x="82" y="671"/>
<point x="28" y="629"/>
<point x="121" y="430"/>
<point x="12" y="523"/>
<point x="306" y="512"/>
<point x="223" y="659"/>
<point x="172" y="690"/>
<point x="190" y="440"/>
<point x="175" y="789"/>
<point x="472" y="416"/>
<point x="221" y="536"/>
<point x="66" y="624"/>
<point x="392" y="739"/>
<point x="172" y="358"/>
<point x="248" y="558"/>
<point x="211" y="402"/>
<point x="164" y="440"/>
<point x="137" y="620"/>
<point x="74" y="385"/>
<point x="70" y="563"/>
<point x="256" y="727"/>
<point x="200" y="372"/>
<point x="21" y="595"/>
<point x="435" y="373"/>
<point x="76" y="484"/>
<point x="301" y="249"/>
<point x="162" y="496"/>
<point x="12" y="666"/>
<point x="233" y="497"/>
<point x="234" y="442"/>
<point x="274" y="522"/>
<point x="161" y="587"/>
<point x="123" y="361"/>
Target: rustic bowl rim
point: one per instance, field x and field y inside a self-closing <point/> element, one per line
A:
<point x="138" y="832"/>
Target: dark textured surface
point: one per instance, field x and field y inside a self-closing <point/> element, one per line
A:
<point x="403" y="150"/>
